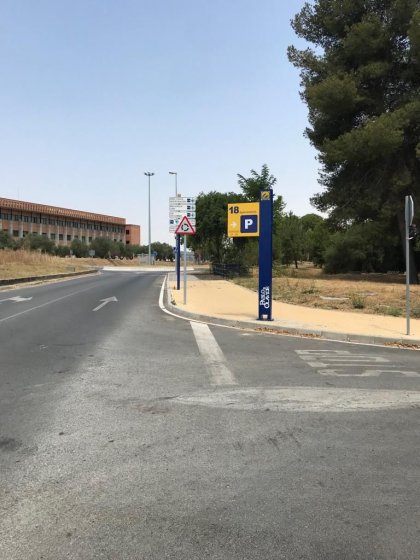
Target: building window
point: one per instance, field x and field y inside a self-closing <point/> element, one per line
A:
<point x="60" y="237"/>
<point x="52" y="236"/>
<point x="127" y="232"/>
<point x="15" y="233"/>
<point x="76" y="237"/>
<point x="25" y="233"/>
<point x="16" y="218"/>
<point x="90" y="239"/>
<point x="44" y="220"/>
<point x="26" y="218"/>
<point x="34" y="220"/>
<point x="44" y="235"/>
<point x="75" y="224"/>
<point x="69" y="238"/>
<point x="61" y="223"/>
<point x="6" y="216"/>
<point x="83" y="239"/>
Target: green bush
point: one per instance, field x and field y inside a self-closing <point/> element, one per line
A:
<point x="358" y="301"/>
<point x="362" y="248"/>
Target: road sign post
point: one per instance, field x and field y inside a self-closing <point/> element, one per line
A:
<point x="179" y="207"/>
<point x="265" y="257"/>
<point x="185" y="269"/>
<point x="409" y="215"/>
<point x="255" y="219"/>
<point x="185" y="228"/>
<point x="178" y="261"/>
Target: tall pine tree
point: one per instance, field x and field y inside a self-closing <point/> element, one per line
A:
<point x="361" y="82"/>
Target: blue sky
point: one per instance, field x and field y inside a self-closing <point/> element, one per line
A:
<point x="96" y="92"/>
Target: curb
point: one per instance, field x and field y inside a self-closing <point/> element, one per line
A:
<point x="285" y="330"/>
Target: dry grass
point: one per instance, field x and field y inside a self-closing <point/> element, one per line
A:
<point x="383" y="294"/>
<point x="20" y="264"/>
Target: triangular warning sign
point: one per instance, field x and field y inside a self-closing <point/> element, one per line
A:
<point x="185" y="227"/>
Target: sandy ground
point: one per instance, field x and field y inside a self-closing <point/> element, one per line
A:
<point x="223" y="299"/>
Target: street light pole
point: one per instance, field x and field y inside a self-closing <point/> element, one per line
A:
<point x="149" y="174"/>
<point x="176" y="181"/>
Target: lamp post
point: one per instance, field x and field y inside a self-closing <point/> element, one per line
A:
<point x="149" y="174"/>
<point x="176" y="181"/>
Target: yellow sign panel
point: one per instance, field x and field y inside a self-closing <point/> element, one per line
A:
<point x="244" y="219"/>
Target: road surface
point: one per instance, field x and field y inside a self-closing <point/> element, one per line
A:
<point x="126" y="433"/>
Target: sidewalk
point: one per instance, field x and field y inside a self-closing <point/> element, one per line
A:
<point x="226" y="303"/>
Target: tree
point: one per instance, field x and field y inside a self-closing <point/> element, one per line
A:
<point x="164" y="251"/>
<point x="79" y="248"/>
<point x="316" y="238"/>
<point x="251" y="188"/>
<point x="5" y="240"/>
<point x="132" y="250"/>
<point x="102" y="247"/>
<point x="361" y="85"/>
<point x="253" y="185"/>
<point x="362" y="248"/>
<point x="211" y="234"/>
<point x="36" y="242"/>
<point x="62" y="251"/>
<point x="291" y="239"/>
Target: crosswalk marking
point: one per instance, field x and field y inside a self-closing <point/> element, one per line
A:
<point x="213" y="355"/>
<point x="333" y="362"/>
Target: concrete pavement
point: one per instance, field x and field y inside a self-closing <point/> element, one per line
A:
<point x="224" y="302"/>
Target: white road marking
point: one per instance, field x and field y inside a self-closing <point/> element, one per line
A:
<point x="213" y="355"/>
<point x="16" y="299"/>
<point x="331" y="360"/>
<point x="348" y="362"/>
<point x="45" y="304"/>
<point x="304" y="399"/>
<point x="367" y="373"/>
<point x="104" y="302"/>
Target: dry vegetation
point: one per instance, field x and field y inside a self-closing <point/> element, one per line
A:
<point x="383" y="294"/>
<point x="22" y="264"/>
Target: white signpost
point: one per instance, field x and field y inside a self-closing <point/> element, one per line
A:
<point x="180" y="206"/>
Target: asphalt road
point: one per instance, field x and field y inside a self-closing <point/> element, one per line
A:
<point x="126" y="433"/>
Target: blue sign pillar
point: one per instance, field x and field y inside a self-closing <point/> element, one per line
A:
<point x="265" y="258"/>
<point x="178" y="262"/>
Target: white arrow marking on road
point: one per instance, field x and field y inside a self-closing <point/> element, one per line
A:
<point x="105" y="301"/>
<point x="16" y="299"/>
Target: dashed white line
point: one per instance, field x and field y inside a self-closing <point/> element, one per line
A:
<point x="213" y="355"/>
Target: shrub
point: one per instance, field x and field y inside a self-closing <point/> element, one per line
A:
<point x="358" y="301"/>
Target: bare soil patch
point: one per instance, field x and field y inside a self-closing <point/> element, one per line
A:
<point x="383" y="294"/>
